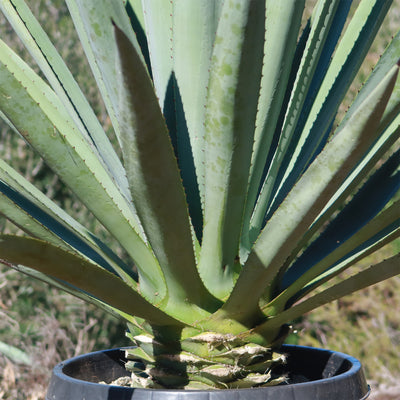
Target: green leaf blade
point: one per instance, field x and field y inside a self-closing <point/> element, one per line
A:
<point x="386" y="222"/>
<point x="165" y="218"/>
<point x="325" y="15"/>
<point x="93" y="23"/>
<point x="91" y="278"/>
<point x="345" y="63"/>
<point x="194" y="27"/>
<point x="310" y="195"/>
<point x="34" y="110"/>
<point x="38" y="216"/>
<point x="64" y="84"/>
<point x="281" y="33"/>
<point x="230" y="122"/>
<point x="370" y="276"/>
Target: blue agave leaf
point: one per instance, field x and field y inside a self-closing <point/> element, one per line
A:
<point x="384" y="232"/>
<point x="63" y="232"/>
<point x="65" y="286"/>
<point x="322" y="65"/>
<point x="364" y="206"/>
<point x="292" y="77"/>
<point x="321" y="127"/>
<point x="326" y="56"/>
<point x="390" y="229"/>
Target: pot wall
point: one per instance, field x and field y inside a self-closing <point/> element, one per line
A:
<point x="330" y="376"/>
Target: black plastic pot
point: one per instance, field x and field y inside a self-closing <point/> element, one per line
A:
<point x="330" y="376"/>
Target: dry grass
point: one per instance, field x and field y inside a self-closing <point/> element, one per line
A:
<point x="386" y="392"/>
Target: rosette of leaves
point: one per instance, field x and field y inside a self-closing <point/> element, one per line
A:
<point x="237" y="199"/>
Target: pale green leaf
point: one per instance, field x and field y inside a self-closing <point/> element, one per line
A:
<point x="194" y="26"/>
<point x="231" y="106"/>
<point x="31" y="106"/>
<point x="60" y="78"/>
<point x="344" y="65"/>
<point x="281" y="33"/>
<point x="37" y="215"/>
<point x="341" y="253"/>
<point x="62" y="285"/>
<point x="152" y="170"/>
<point x="78" y="272"/>
<point x="310" y="195"/>
<point x="321" y="22"/>
<point x="93" y="23"/>
<point x="158" y="15"/>
<point x="370" y="276"/>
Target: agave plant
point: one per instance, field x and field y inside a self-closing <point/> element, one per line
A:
<point x="238" y="199"/>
